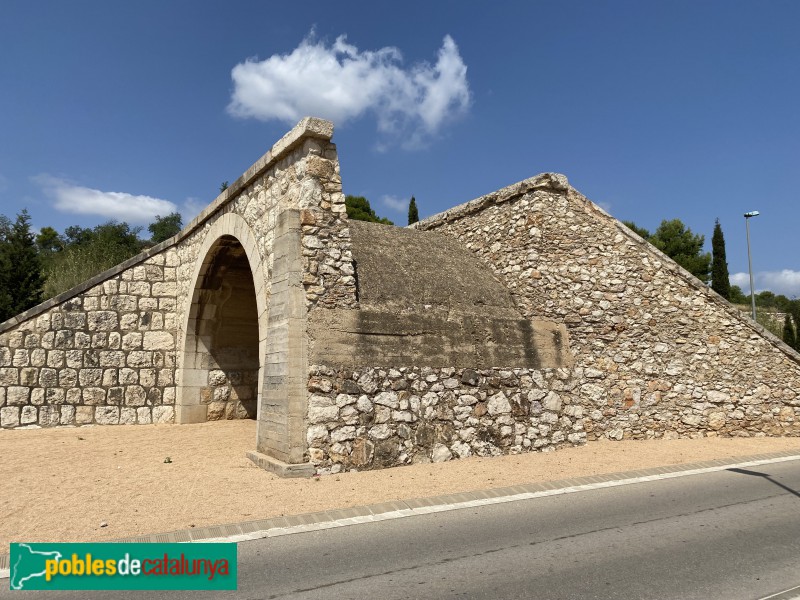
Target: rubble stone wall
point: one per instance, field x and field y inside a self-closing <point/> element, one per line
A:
<point x="657" y="353"/>
<point x="436" y="362"/>
<point x="371" y="417"/>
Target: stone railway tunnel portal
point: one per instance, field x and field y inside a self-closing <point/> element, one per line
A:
<point x="221" y="352"/>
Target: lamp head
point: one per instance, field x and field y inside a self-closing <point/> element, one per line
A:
<point x="752" y="213"/>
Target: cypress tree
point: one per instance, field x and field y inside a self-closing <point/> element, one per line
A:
<point x="796" y="334"/>
<point x="21" y="278"/>
<point x="413" y="214"/>
<point x="720" y="282"/>
<point x="794" y="310"/>
<point x="789" y="337"/>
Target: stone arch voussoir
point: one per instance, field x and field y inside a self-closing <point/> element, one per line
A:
<point x="192" y="374"/>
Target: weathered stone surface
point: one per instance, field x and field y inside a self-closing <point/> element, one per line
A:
<point x="127" y="416"/>
<point x="322" y="414"/>
<point x="106" y="415"/>
<point x="716" y="420"/>
<point x="498" y="404"/>
<point x="16" y="395"/>
<point x="429" y="414"/>
<point x="143" y="415"/>
<point x="388" y="399"/>
<point x="49" y="416"/>
<point x="67" y="416"/>
<point x="317" y="434"/>
<point x="103" y="320"/>
<point x="28" y="415"/>
<point x="380" y="432"/>
<point x="9" y="416"/>
<point x="158" y="340"/>
<point x="84" y="415"/>
<point x="441" y="453"/>
<point x="163" y="414"/>
<point x="718" y="397"/>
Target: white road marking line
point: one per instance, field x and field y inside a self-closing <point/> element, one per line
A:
<point x="410" y="512"/>
<point x="784" y="597"/>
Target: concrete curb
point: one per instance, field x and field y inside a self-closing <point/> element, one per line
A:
<point x="277" y="526"/>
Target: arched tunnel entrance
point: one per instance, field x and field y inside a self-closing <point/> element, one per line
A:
<point x="221" y="355"/>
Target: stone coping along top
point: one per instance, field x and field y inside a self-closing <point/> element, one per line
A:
<point x="309" y="127"/>
<point x="559" y="184"/>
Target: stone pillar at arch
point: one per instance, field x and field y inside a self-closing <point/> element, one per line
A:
<point x="253" y="280"/>
<point x="209" y="324"/>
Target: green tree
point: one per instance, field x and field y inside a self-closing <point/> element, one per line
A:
<point x="797" y="334"/>
<point x="737" y="295"/>
<point x="75" y="235"/>
<point x="358" y="209"/>
<point x="223" y="186"/>
<point x="88" y="252"/>
<point x="794" y="310"/>
<point x="678" y="242"/>
<point x="50" y="243"/>
<point x="720" y="281"/>
<point x="5" y="267"/>
<point x="783" y="303"/>
<point x="119" y="240"/>
<point x="789" y="336"/>
<point x="766" y="299"/>
<point x="21" y="278"/>
<point x="640" y="231"/>
<point x="164" y="228"/>
<point x="413" y="213"/>
<point x="48" y="240"/>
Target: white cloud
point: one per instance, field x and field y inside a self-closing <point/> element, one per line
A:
<point x="340" y="82"/>
<point x="396" y="204"/>
<point x="741" y="279"/>
<point x="786" y="282"/>
<point x="121" y="206"/>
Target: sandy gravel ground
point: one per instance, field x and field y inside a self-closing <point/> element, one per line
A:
<point x="61" y="484"/>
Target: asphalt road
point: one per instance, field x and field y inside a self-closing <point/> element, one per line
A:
<point x="730" y="534"/>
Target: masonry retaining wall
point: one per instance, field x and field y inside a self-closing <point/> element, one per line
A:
<point x="435" y="362"/>
<point x="657" y="353"/>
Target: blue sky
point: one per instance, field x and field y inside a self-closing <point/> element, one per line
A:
<point x="654" y="110"/>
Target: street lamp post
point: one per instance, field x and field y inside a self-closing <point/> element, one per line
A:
<point x="747" y="216"/>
